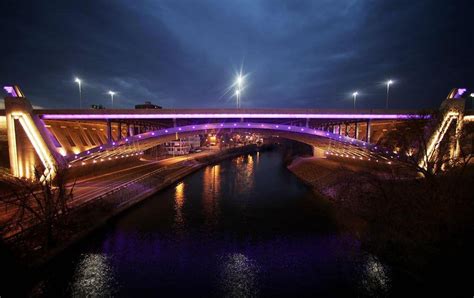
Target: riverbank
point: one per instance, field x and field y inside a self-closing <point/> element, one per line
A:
<point x="27" y="247"/>
<point x="422" y="227"/>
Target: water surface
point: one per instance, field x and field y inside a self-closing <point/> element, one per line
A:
<point x="244" y="227"/>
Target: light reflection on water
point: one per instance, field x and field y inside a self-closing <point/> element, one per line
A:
<point x="239" y="276"/>
<point x="93" y="277"/>
<point x="375" y="277"/>
<point x="179" y="202"/>
<point x="242" y="228"/>
<point x="211" y="181"/>
<point x="243" y="175"/>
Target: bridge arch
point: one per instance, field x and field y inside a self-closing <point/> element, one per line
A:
<point x="135" y="145"/>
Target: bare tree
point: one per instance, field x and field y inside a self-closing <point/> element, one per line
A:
<point x="38" y="202"/>
<point x="421" y="153"/>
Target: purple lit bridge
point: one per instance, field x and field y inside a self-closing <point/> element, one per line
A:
<point x="73" y="138"/>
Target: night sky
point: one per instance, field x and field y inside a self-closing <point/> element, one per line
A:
<point x="300" y="54"/>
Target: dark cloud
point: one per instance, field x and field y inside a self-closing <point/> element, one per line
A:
<point x="186" y="53"/>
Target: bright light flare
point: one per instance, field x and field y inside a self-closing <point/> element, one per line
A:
<point x="77" y="80"/>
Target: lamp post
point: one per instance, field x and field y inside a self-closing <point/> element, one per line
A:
<point x="355" y="98"/>
<point x="237" y="94"/>
<point x="238" y="82"/>
<point x="78" y="81"/>
<point x="112" y="93"/>
<point x="390" y="82"/>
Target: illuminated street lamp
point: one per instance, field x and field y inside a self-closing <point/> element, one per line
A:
<point x="78" y="81"/>
<point x="237" y="94"/>
<point x="355" y="98"/>
<point x="390" y="82"/>
<point x="112" y="93"/>
<point x="239" y="82"/>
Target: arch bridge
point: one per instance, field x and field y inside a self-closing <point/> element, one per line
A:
<point x="69" y="138"/>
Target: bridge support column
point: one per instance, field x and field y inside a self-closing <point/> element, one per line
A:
<point x="318" y="152"/>
<point x="367" y="132"/>
<point x="119" y="129"/>
<point x="174" y="122"/>
<point x="307" y="122"/>
<point x="130" y="130"/>
<point x="356" y="131"/>
<point x="109" y="131"/>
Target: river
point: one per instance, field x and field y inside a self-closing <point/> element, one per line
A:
<point x="243" y="227"/>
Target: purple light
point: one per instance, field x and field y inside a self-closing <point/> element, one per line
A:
<point x="232" y="115"/>
<point x="11" y="91"/>
<point x="461" y="91"/>
<point x="270" y="126"/>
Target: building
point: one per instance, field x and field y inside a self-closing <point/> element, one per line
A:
<point x="183" y="146"/>
<point x="147" y="106"/>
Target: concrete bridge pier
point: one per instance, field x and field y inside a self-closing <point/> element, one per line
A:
<point x="367" y="133"/>
<point x="356" y="130"/>
<point x="109" y="131"/>
<point x="119" y="131"/>
<point x="318" y="152"/>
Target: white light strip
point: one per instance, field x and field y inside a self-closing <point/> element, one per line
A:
<point x="437" y="137"/>
<point x="38" y="143"/>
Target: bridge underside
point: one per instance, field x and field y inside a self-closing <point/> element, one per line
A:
<point x="327" y="142"/>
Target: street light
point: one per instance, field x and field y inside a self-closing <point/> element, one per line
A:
<point x="237" y="94"/>
<point x="355" y="98"/>
<point x="239" y="82"/>
<point x="78" y="81"/>
<point x="390" y="82"/>
<point x="112" y="93"/>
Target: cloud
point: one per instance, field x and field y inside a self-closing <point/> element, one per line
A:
<point x="186" y="53"/>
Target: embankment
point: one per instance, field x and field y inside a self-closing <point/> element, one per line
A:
<point x="28" y="245"/>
